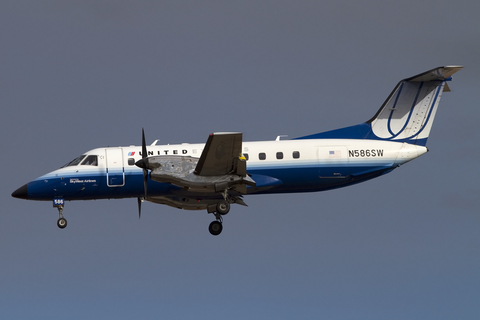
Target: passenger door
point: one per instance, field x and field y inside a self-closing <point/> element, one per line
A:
<point x="115" y="170"/>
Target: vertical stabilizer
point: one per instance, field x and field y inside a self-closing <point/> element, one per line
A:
<point x="407" y="114"/>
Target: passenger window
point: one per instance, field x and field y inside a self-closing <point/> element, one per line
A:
<point x="246" y="156"/>
<point x="296" y="154"/>
<point x="262" y="156"/>
<point x="279" y="155"/>
<point x="90" y="161"/>
<point x="131" y="161"/>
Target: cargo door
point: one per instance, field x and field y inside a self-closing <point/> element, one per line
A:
<point x="333" y="160"/>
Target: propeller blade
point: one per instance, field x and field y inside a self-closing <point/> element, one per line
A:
<point x="145" y="177"/>
<point x="145" y="164"/>
<point x="139" y="207"/>
<point x="144" y="145"/>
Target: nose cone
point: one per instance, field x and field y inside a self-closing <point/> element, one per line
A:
<point x="21" y="193"/>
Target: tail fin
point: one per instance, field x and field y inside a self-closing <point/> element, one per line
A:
<point x="407" y="114"/>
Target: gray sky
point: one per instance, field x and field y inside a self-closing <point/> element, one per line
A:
<point x="78" y="75"/>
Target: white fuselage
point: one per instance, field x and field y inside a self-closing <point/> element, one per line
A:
<point x="276" y="166"/>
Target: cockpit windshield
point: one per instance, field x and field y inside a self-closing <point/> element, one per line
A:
<point x="91" y="160"/>
<point x="75" y="161"/>
<point x="84" y="160"/>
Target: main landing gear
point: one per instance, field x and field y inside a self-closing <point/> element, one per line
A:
<point x="221" y="209"/>
<point x="215" y="227"/>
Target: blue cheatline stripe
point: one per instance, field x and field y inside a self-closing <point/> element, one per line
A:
<point x="292" y="179"/>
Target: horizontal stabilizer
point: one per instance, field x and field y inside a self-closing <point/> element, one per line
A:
<point x="437" y="74"/>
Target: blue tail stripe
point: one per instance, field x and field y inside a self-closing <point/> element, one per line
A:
<point x="393" y="108"/>
<point x="409" y="115"/>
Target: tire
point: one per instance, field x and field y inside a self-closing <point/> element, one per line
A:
<point x="215" y="228"/>
<point x="62" y="223"/>
<point x="223" y="207"/>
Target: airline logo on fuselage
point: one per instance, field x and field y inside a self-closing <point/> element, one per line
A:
<point x="160" y="153"/>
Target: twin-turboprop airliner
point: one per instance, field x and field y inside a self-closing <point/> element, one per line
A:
<point x="214" y="175"/>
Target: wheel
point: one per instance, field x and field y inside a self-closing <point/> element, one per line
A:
<point x="215" y="228"/>
<point x="62" y="223"/>
<point x="223" y="207"/>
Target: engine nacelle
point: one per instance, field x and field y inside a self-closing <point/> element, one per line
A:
<point x="180" y="171"/>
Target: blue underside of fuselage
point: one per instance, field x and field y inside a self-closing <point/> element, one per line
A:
<point x="269" y="180"/>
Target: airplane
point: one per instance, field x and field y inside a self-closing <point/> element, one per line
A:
<point x="219" y="173"/>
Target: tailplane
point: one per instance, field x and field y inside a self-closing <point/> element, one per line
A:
<point x="407" y="114"/>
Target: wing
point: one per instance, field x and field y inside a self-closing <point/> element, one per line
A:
<point x="219" y="155"/>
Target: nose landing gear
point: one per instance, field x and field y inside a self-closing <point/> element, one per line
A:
<point x="61" y="222"/>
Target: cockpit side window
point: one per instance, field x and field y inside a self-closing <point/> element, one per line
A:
<point x="75" y="161"/>
<point x="91" y="160"/>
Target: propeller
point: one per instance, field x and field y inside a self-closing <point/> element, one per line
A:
<point x="143" y="163"/>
